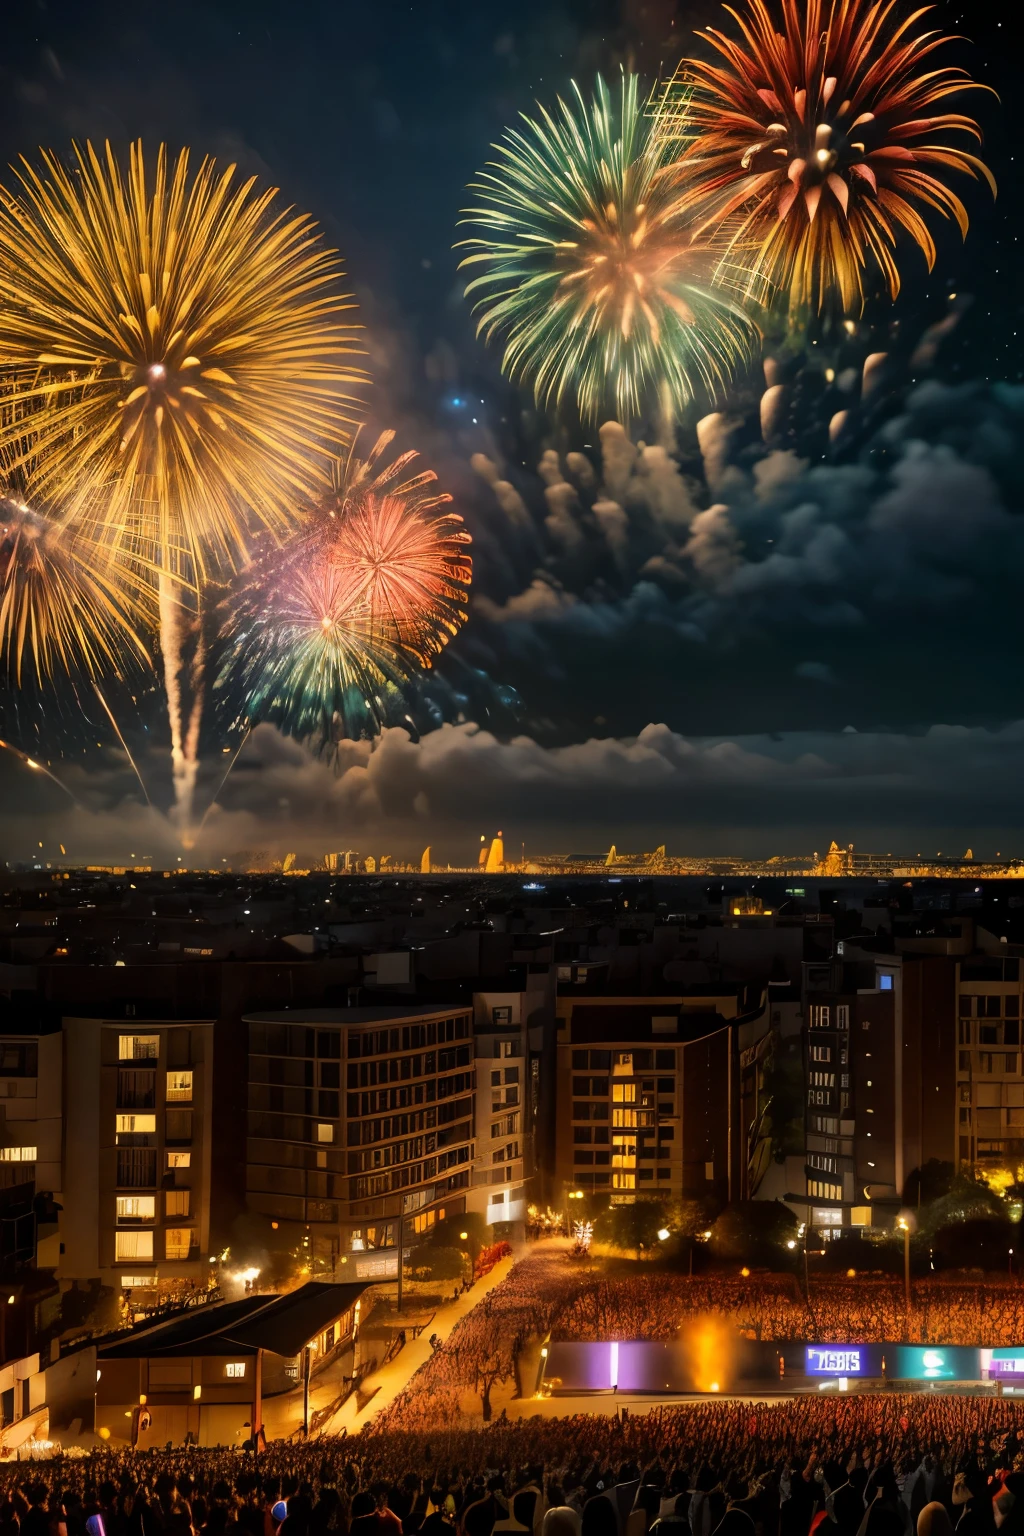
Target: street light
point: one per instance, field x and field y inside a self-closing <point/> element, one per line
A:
<point x="664" y="1234"/>
<point x="905" y="1224"/>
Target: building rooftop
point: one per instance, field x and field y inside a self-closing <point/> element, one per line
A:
<point x="281" y="1324"/>
<point x="383" y="1014"/>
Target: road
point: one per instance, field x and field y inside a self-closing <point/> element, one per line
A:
<point x="396" y="1375"/>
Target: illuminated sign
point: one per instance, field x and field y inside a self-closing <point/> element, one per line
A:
<point x="835" y="1360"/>
<point x="1003" y="1362"/>
<point x="909" y="1362"/>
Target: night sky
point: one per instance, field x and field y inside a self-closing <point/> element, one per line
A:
<point x="853" y="669"/>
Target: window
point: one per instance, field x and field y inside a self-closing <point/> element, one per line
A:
<point x="624" y="1093"/>
<point x="324" y="1132"/>
<point x="135" y="1125"/>
<point x="138" y="1047"/>
<point x="622" y="1064"/>
<point x="133" y="1245"/>
<point x="820" y="1016"/>
<point x="821" y="1053"/>
<point x="625" y="1118"/>
<point x="179" y="1159"/>
<point x="177" y="1242"/>
<point x="178" y="1125"/>
<point x="17" y="1154"/>
<point x="235" y="1370"/>
<point x="176" y="1202"/>
<point x="843" y="1016"/>
<point x="824" y="1190"/>
<point x="136" y="1168"/>
<point x="623" y="1180"/>
<point x="885" y="981"/>
<point x="505" y="1048"/>
<point x="136" y="1207"/>
<point x="179" y="1087"/>
<point x="823" y="1079"/>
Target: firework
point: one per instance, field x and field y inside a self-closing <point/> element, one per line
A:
<point x="174" y="352"/>
<point x="406" y="554"/>
<point x="59" y="608"/>
<point x="324" y="638"/>
<point x="820" y="139"/>
<point x="590" y="273"/>
<point x="304" y="653"/>
<point x="175" y="357"/>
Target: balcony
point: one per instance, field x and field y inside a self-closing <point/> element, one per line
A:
<point x="136" y="1090"/>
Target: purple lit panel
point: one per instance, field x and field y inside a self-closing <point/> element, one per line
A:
<point x="581" y="1367"/>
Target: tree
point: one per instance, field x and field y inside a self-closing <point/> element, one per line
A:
<point x="756" y="1230"/>
<point x="634" y="1227"/>
<point x="930" y="1182"/>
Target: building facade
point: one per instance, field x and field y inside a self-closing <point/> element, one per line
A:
<point x="138" y="1099"/>
<point x="361" y="1127"/>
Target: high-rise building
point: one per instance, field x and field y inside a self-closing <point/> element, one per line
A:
<point x="136" y="1184"/>
<point x="505" y="1114"/>
<point x="361" y="1127"/>
<point x="647" y="1097"/>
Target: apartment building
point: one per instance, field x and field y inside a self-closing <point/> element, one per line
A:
<point x="506" y="1105"/>
<point x="647" y="1097"/>
<point x="31" y="1137"/>
<point x="138" y="1097"/>
<point x="853" y="1165"/>
<point x="361" y="1127"/>
<point x="989" y="1128"/>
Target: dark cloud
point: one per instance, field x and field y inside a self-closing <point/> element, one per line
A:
<point x="754" y="794"/>
<point x="713" y="572"/>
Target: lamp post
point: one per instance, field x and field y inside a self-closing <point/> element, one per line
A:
<point x="905" y="1224"/>
<point x="464" y="1238"/>
<point x="572" y="1194"/>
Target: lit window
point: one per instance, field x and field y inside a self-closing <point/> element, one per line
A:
<point x="885" y="982"/>
<point x="133" y="1245"/>
<point x="133" y="1282"/>
<point x="138" y="1047"/>
<point x="179" y="1159"/>
<point x="136" y="1125"/>
<point x="235" y="1369"/>
<point x="136" y="1207"/>
<point x="624" y="1093"/>
<point x="18" y="1154"/>
<point x="177" y="1242"/>
<point x="324" y="1132"/>
<point x="176" y="1202"/>
<point x="179" y="1087"/>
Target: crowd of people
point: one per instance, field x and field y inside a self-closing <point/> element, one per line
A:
<point x="548" y="1295"/>
<point x="857" y="1466"/>
<point x="835" y="1309"/>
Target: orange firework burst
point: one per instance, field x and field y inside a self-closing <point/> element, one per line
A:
<point x="822" y="139"/>
<point x="325" y="636"/>
<point x="406" y="554"/>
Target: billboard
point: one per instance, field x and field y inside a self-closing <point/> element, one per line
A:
<point x="897" y="1362"/>
<point x="840" y="1360"/>
<point x="932" y="1362"/>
